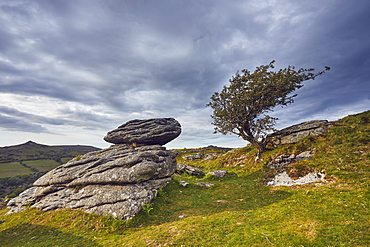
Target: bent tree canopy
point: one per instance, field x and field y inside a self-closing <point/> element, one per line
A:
<point x="241" y="107"/>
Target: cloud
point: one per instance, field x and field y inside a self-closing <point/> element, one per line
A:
<point x="96" y="64"/>
<point x="14" y="124"/>
<point x="30" y="117"/>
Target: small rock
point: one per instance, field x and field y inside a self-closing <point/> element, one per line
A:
<point x="194" y="156"/>
<point x="183" y="183"/>
<point x="222" y="201"/>
<point x="208" y="157"/>
<point x="205" y="184"/>
<point x="304" y="155"/>
<point x="285" y="159"/>
<point x="189" y="170"/>
<point x="218" y="173"/>
<point x="281" y="160"/>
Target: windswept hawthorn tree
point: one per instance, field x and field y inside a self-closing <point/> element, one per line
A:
<point x="241" y="107"/>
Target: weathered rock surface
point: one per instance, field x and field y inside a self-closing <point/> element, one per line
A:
<point x="218" y="173"/>
<point x="285" y="159"/>
<point x="189" y="170"/>
<point x="297" y="132"/>
<point x="283" y="179"/>
<point x="205" y="184"/>
<point x="115" y="181"/>
<point x="194" y="156"/>
<point x="183" y="183"/>
<point x="149" y="131"/>
<point x="118" y="164"/>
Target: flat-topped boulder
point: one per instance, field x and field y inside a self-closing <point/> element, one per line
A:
<point x="157" y="131"/>
<point x="115" y="181"/>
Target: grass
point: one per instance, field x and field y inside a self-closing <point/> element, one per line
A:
<point x="238" y="210"/>
<point x="229" y="193"/>
<point x="42" y="165"/>
<point x="12" y="169"/>
<point x="34" y="151"/>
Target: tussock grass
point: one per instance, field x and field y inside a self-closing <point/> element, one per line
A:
<point x="238" y="210"/>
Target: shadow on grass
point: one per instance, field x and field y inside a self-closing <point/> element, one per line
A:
<point x="230" y="193"/>
<point x="37" y="235"/>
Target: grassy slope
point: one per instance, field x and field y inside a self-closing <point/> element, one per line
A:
<point x="43" y="165"/>
<point x="11" y="169"/>
<point x="32" y="159"/>
<point x="35" y="151"/>
<point x="238" y="210"/>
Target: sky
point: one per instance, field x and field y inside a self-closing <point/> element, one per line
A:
<point x="72" y="70"/>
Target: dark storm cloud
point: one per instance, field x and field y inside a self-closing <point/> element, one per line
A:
<point x="12" y="119"/>
<point x="124" y="59"/>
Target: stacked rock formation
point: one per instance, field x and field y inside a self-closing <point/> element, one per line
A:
<point x="115" y="181"/>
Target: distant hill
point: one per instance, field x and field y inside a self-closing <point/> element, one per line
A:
<point x="21" y="165"/>
<point x="34" y="151"/>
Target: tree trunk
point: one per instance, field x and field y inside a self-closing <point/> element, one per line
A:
<point x="247" y="135"/>
<point x="261" y="147"/>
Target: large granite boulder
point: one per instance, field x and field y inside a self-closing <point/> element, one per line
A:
<point x="149" y="131"/>
<point x="115" y="181"/>
<point x="297" y="132"/>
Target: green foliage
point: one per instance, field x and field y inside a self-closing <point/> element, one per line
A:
<point x="241" y="107"/>
<point x="147" y="208"/>
<point x="20" y="182"/>
<point x="77" y="158"/>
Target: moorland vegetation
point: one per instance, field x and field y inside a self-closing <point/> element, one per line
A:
<point x="239" y="209"/>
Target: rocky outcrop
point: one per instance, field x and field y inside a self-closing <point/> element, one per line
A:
<point x="297" y="132"/>
<point x="194" y="156"/>
<point x="150" y="131"/>
<point x="285" y="159"/>
<point x="199" y="156"/>
<point x="189" y="170"/>
<point x="115" y="181"/>
<point x="293" y="175"/>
